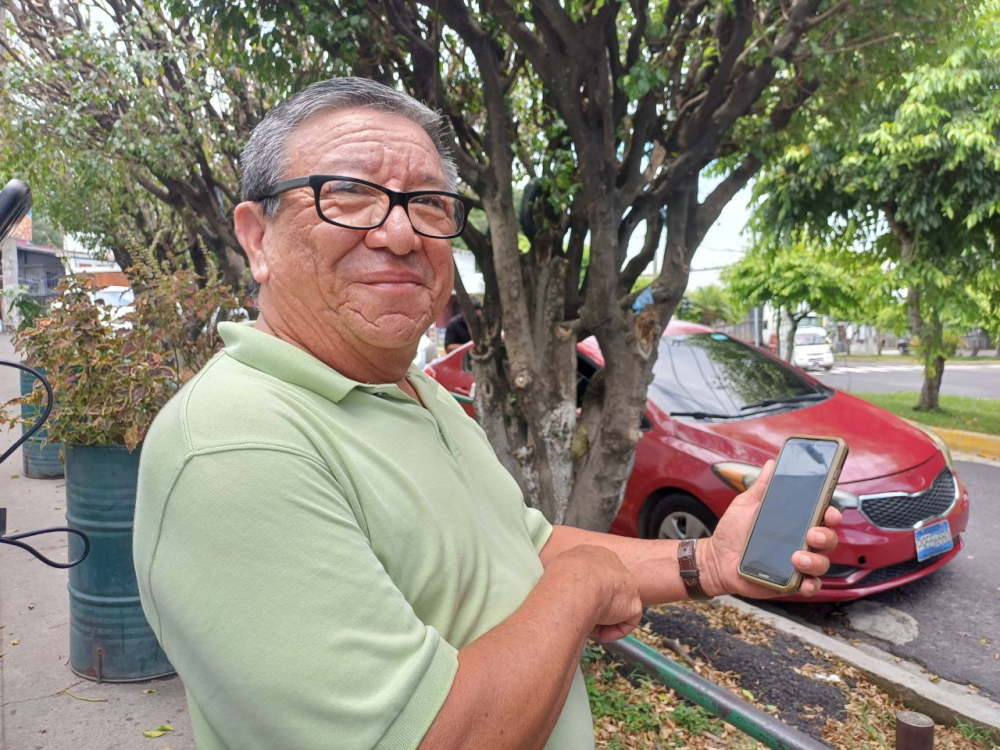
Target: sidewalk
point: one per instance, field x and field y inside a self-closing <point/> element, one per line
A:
<point x="37" y="711"/>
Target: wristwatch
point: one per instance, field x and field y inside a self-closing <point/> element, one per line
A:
<point x="689" y="570"/>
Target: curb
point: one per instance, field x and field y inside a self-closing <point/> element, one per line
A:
<point x="945" y="702"/>
<point x="977" y="443"/>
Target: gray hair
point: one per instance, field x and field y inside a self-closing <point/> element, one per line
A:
<point x="264" y="158"/>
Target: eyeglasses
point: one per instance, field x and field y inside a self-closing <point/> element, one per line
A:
<point x="358" y="204"/>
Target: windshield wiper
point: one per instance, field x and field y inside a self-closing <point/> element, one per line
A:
<point x="704" y="415"/>
<point x="786" y="400"/>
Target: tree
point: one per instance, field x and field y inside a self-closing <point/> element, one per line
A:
<point x="709" y="305"/>
<point x="915" y="180"/>
<point x="609" y="115"/>
<point x="803" y="280"/>
<point x="127" y="130"/>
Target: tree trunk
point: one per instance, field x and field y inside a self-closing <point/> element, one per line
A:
<point x="790" y="345"/>
<point x="930" y="330"/>
<point x="933" y="371"/>
<point x="924" y="323"/>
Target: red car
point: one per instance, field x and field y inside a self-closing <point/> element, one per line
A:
<point x="718" y="408"/>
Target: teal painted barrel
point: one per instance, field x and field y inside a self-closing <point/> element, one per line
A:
<point x="110" y="640"/>
<point x="39" y="462"/>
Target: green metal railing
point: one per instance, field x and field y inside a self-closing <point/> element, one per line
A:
<point x="747" y="718"/>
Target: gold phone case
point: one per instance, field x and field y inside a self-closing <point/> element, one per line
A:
<point x="825" y="497"/>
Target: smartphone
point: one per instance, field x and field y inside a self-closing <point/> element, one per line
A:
<point x="795" y="500"/>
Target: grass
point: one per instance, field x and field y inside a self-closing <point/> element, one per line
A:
<point x="635" y="713"/>
<point x="912" y="360"/>
<point x="981" y="735"/>
<point x="957" y="412"/>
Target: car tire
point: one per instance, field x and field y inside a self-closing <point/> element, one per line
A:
<point x="828" y="367"/>
<point x="676" y="515"/>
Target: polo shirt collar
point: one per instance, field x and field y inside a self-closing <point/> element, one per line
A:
<point x="288" y="363"/>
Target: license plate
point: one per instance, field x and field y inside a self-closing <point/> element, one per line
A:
<point x="933" y="540"/>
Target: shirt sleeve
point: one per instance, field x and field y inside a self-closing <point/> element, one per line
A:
<point x="272" y="606"/>
<point x="539" y="528"/>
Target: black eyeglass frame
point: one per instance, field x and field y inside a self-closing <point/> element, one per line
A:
<point x="316" y="182"/>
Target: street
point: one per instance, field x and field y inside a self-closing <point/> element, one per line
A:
<point x="974" y="380"/>
<point x="947" y="622"/>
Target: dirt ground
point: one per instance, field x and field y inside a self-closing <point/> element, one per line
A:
<point x="803" y="686"/>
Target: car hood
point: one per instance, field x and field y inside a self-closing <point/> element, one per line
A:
<point x="880" y="443"/>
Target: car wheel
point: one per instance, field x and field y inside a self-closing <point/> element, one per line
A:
<point x="828" y="367"/>
<point x="680" y="516"/>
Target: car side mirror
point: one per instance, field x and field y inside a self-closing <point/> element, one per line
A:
<point x="645" y="424"/>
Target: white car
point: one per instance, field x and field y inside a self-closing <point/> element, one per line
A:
<point x="812" y="349"/>
<point x="120" y="300"/>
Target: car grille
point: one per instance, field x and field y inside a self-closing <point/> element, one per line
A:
<point x="905" y="511"/>
<point x="839" y="571"/>
<point x="880" y="575"/>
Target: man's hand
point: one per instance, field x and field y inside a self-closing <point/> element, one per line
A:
<point x="719" y="557"/>
<point x="617" y="606"/>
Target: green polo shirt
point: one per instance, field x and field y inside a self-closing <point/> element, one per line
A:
<point x="312" y="552"/>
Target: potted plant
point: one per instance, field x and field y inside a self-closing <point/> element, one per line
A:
<point x="111" y="371"/>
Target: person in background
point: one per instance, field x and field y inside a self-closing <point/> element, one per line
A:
<point x="457" y="332"/>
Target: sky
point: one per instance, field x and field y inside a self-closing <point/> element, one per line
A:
<point x="724" y="244"/>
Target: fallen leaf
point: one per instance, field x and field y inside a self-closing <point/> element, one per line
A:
<point x="164" y="728"/>
<point x="152" y="734"/>
<point x="31" y="606"/>
<point x="89" y="700"/>
<point x="934" y="678"/>
<point x="15" y="476"/>
<point x="147" y="691"/>
<point x="14" y="642"/>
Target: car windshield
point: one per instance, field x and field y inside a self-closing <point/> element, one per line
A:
<point x="114" y="298"/>
<point x="809" y="339"/>
<point x="712" y="375"/>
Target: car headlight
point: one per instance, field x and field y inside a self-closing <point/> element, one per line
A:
<point x="942" y="446"/>
<point x="741" y="477"/>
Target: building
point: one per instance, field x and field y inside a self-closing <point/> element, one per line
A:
<point x="39" y="269"/>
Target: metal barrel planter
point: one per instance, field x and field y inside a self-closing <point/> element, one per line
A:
<point x="40" y="462"/>
<point x="110" y="639"/>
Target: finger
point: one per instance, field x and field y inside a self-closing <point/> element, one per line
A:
<point x="610" y="633"/>
<point x="832" y="517"/>
<point x="810" y="587"/>
<point x="811" y="563"/>
<point x="755" y="494"/>
<point x="822" y="539"/>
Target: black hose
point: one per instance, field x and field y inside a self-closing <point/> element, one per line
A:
<point x="14" y="539"/>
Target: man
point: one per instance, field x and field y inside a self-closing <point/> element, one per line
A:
<point x="326" y="546"/>
<point x="457" y="332"/>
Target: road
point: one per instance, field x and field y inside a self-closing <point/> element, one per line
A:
<point x="975" y="380"/>
<point x="948" y="620"/>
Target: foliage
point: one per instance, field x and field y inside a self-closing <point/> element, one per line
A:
<point x="709" y="305"/>
<point x="28" y="309"/>
<point x="804" y="278"/>
<point x="915" y="181"/>
<point x="609" y="116"/>
<point x="111" y="376"/>
<point x="125" y="126"/>
<point x="950" y="342"/>
<point x="184" y="309"/>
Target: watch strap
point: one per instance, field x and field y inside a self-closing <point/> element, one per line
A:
<point x="689" y="570"/>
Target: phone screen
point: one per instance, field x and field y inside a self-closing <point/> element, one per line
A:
<point x="788" y="508"/>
